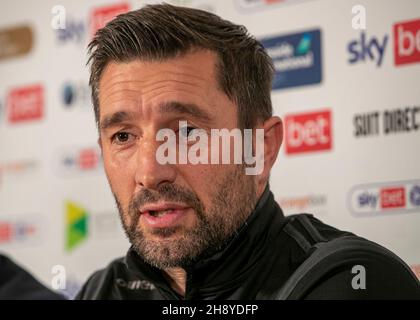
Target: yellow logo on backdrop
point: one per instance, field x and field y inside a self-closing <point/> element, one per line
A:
<point x="76" y="225"/>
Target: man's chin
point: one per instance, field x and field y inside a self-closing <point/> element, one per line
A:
<point x="166" y="252"/>
<point x="161" y="233"/>
<point x="163" y="236"/>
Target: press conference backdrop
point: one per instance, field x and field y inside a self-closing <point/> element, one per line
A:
<point x="347" y="85"/>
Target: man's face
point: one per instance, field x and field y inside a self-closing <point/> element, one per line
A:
<point x="173" y="214"/>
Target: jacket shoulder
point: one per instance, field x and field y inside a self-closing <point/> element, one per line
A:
<point x="99" y="283"/>
<point x="341" y="265"/>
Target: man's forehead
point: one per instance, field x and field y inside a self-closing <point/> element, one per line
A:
<point x="183" y="83"/>
<point x="189" y="74"/>
<point x="172" y="107"/>
<point x="197" y="65"/>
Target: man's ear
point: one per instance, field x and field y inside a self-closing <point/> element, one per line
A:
<point x="273" y="138"/>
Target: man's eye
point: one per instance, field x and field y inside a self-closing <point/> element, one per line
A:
<point x="121" y="137"/>
<point x="186" y="131"/>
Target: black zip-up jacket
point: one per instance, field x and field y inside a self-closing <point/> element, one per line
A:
<point x="254" y="265"/>
<point x="18" y="284"/>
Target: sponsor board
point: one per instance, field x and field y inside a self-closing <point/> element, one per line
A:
<point x="311" y="203"/>
<point x="81" y="224"/>
<point x="75" y="29"/>
<point x="73" y="161"/>
<point x="296" y="57"/>
<point x="102" y="15"/>
<point x="15" y="42"/>
<point x="21" y="230"/>
<point x="25" y="104"/>
<point x="308" y="132"/>
<point x="75" y="95"/>
<point x="407" y="42"/>
<point x="368" y="48"/>
<point x="12" y="171"/>
<point x="381" y="199"/>
<point x="387" y="122"/>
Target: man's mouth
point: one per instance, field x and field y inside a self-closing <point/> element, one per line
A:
<point x="163" y="215"/>
<point x="158" y="213"/>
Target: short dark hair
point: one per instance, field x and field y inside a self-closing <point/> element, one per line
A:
<point x="159" y="32"/>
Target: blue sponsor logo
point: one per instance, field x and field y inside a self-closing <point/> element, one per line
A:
<point x="367" y="199"/>
<point x="296" y="57"/>
<point x="69" y="161"/>
<point x="74" y="31"/>
<point x="23" y="230"/>
<point x="415" y="195"/>
<point x="68" y="95"/>
<point x="75" y="93"/>
<point x="367" y="49"/>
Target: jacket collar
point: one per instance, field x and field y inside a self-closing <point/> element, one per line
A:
<point x="226" y="269"/>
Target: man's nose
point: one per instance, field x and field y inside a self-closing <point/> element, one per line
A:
<point x="149" y="172"/>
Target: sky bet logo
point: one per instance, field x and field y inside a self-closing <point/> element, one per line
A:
<point x="75" y="29"/>
<point x="17" y="232"/>
<point x="20" y="230"/>
<point x="296" y="58"/>
<point x="384" y="198"/>
<point x="407" y="42"/>
<point x="101" y="16"/>
<point x="370" y="48"/>
<point x="367" y="48"/>
<point x="72" y="161"/>
<point x="308" y="132"/>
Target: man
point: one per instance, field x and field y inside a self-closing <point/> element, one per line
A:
<point x="202" y="230"/>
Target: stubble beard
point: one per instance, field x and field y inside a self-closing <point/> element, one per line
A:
<point x="233" y="199"/>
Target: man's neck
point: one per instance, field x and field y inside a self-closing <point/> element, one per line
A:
<point x="177" y="278"/>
